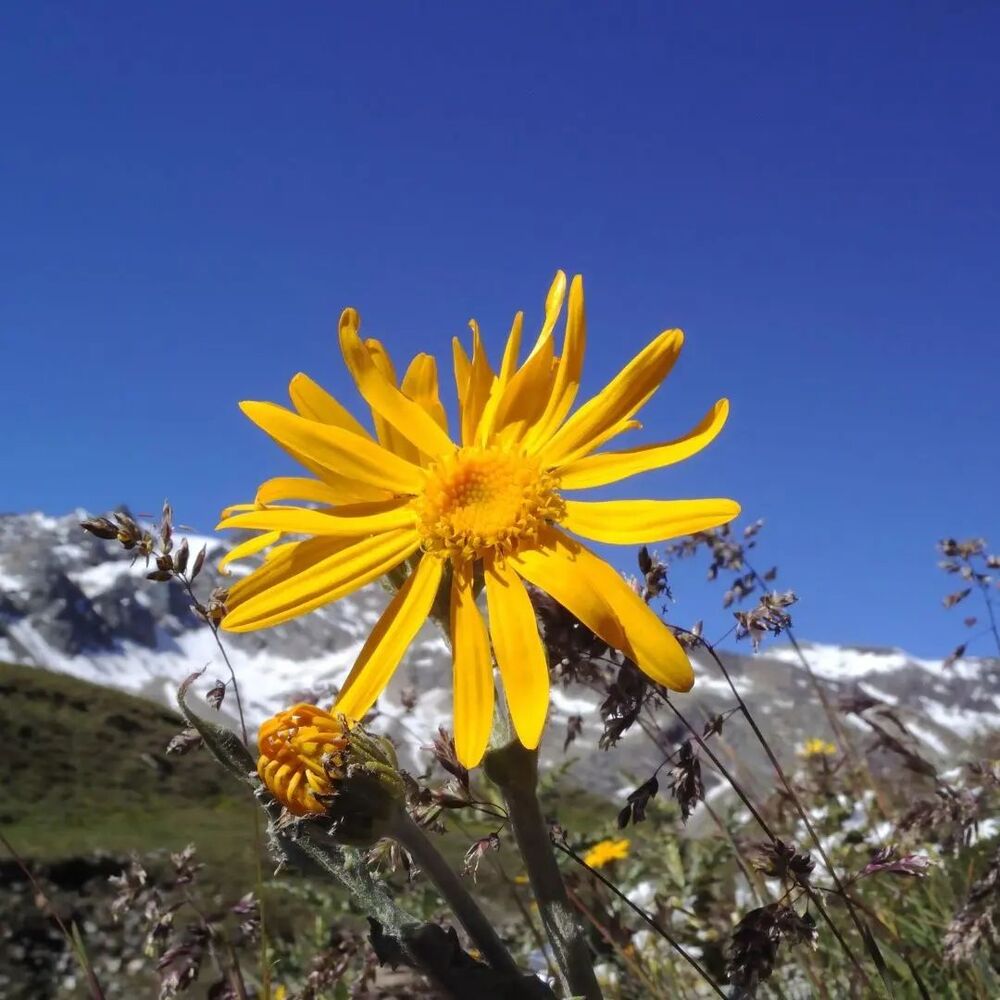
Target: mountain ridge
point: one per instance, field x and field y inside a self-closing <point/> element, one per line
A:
<point x="72" y="603"/>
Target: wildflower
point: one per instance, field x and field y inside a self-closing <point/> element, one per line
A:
<point x="315" y="763"/>
<point x="489" y="505"/>
<point x="817" y="748"/>
<point x="299" y="748"/>
<point x="605" y="851"/>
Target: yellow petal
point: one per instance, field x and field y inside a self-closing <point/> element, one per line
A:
<point x="512" y="350"/>
<point x="387" y="435"/>
<point x="603" y="438"/>
<point x="407" y="417"/>
<point x="333" y="448"/>
<point x="553" y="306"/>
<point x="463" y="369"/>
<point x="617" y="401"/>
<point x="248" y="548"/>
<point x="389" y="640"/>
<point x="348" y="521"/>
<point x="300" y="488"/>
<point x="523" y="400"/>
<point x="591" y="590"/>
<point x="635" y="522"/>
<point x="420" y="383"/>
<point x="519" y="651"/>
<point x="508" y="366"/>
<point x="568" y="371"/>
<point x="472" y="667"/>
<point x="316" y="572"/>
<point x="611" y="466"/>
<point x="478" y="386"/>
<point x="315" y="403"/>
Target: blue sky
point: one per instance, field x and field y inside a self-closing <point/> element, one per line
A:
<point x="190" y="193"/>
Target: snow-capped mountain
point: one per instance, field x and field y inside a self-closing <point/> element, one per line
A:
<point x="72" y="603"/>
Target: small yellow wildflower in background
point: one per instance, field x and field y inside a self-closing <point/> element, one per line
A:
<point x="605" y="851"/>
<point x="279" y="993"/>
<point x="490" y="501"/>
<point x="817" y="748"/>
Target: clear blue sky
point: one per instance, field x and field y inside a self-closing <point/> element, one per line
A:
<point x="190" y="193"/>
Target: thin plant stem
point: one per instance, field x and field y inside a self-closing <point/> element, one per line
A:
<point x="480" y="930"/>
<point x="987" y="600"/>
<point x="769" y="833"/>
<point x="645" y="917"/>
<point x="831" y="716"/>
<point x="183" y="577"/>
<point x="637" y="969"/>
<point x="514" y="769"/>
<point x="803" y="815"/>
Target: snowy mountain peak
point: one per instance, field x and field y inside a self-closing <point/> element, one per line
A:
<point x="72" y="603"/>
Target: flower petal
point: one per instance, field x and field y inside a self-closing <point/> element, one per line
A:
<point x="333" y="448"/>
<point x="348" y="521"/>
<point x="595" y="593"/>
<point x="396" y="629"/>
<point x="611" y="466"/>
<point x="523" y="399"/>
<point x="407" y="417"/>
<point x="316" y="572"/>
<point x="568" y="371"/>
<point x="508" y="366"/>
<point x="472" y="666"/>
<point x="519" y="651"/>
<point x="635" y="522"/>
<point x="315" y="403"/>
<point x="387" y="435"/>
<point x="420" y="383"/>
<point x="302" y="488"/>
<point x="619" y="400"/>
<point x="248" y="548"/>
<point x="478" y="386"/>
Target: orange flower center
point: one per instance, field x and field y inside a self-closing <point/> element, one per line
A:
<point x="298" y="749"/>
<point x="484" y="500"/>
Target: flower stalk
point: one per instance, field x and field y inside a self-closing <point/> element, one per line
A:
<point x="408" y="834"/>
<point x="514" y="770"/>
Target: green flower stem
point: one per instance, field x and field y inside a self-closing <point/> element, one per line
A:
<point x="514" y="770"/>
<point x="403" y="829"/>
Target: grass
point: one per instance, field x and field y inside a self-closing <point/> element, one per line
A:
<point x="84" y="769"/>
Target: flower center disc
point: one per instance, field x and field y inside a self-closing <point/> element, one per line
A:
<point x="482" y="501"/>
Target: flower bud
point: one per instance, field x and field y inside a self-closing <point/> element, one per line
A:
<point x="317" y="764"/>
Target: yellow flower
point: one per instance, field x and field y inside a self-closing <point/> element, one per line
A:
<point x="494" y="506"/>
<point x="298" y="748"/>
<point x="607" y="850"/>
<point x="817" y="748"/>
<point x="279" y="993"/>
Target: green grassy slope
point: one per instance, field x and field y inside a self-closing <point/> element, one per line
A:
<point x="83" y="768"/>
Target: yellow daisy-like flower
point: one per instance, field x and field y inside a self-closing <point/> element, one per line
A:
<point x="495" y="506"/>
<point x="605" y="851"/>
<point x="817" y="748"/>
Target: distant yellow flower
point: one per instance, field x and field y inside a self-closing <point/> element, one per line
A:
<point x="279" y="993"/>
<point x="490" y="504"/>
<point x="817" y="748"/>
<point x="298" y="747"/>
<point x="607" y="850"/>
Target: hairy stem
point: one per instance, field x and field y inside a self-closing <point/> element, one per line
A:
<point x="465" y="908"/>
<point x="514" y="770"/>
